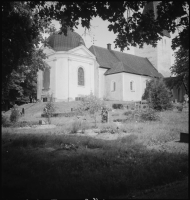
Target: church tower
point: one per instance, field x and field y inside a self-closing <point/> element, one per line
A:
<point x="159" y="56"/>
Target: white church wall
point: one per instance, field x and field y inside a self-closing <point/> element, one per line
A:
<point x="39" y="84"/>
<point x="96" y="79"/>
<point x="117" y="94"/>
<point x="52" y="64"/>
<point x="139" y="85"/>
<point x="61" y="79"/>
<point x="101" y="75"/>
<point x="76" y="90"/>
<point x="40" y="90"/>
<point x="164" y="56"/>
<point x="64" y="74"/>
<point x="160" y="56"/>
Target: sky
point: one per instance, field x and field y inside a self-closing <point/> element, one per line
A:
<point x="101" y="36"/>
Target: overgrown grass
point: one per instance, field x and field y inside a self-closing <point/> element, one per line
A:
<point x="35" y="166"/>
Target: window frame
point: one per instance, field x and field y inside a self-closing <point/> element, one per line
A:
<point x="113" y="86"/>
<point x="132" y="89"/>
<point x="43" y="78"/>
<point x="80" y="67"/>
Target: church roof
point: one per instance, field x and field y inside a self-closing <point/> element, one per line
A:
<point x="117" y="62"/>
<point x="60" y="42"/>
<point x="152" y="5"/>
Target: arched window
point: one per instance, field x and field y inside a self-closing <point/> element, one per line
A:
<point x="80" y="76"/>
<point x="46" y="78"/>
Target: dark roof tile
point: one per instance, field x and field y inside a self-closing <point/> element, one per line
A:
<point x="117" y="62"/>
<point x="61" y="42"/>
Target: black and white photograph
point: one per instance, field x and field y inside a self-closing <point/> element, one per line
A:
<point x="95" y="100"/>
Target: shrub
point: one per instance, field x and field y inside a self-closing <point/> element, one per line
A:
<point x="49" y="109"/>
<point x="84" y="126"/>
<point x="157" y="95"/>
<point x="179" y="107"/>
<point x="149" y="115"/>
<point x="109" y="128"/>
<point x="15" y="114"/>
<point x="90" y="104"/>
<point x="75" y="126"/>
<point x="5" y="120"/>
<point x="118" y="120"/>
<point x="117" y="106"/>
<point x="129" y="112"/>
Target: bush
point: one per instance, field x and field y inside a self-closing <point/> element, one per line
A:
<point x="92" y="105"/>
<point x="49" y="109"/>
<point x="129" y="112"/>
<point x="109" y="128"/>
<point x="5" y="121"/>
<point x="118" y="120"/>
<point x="179" y="107"/>
<point x="117" y="106"/>
<point x="157" y="95"/>
<point x="149" y="115"/>
<point x="75" y="126"/>
<point x="15" y="114"/>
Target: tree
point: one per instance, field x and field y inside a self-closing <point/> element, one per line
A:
<point x="135" y="30"/>
<point x="49" y="108"/>
<point x="22" y="83"/>
<point x="91" y="105"/>
<point x="22" y="30"/>
<point x="181" y="67"/>
<point x="157" y="95"/>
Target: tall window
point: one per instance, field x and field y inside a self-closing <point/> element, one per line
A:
<point x="46" y="78"/>
<point x="113" y="86"/>
<point x="132" y="86"/>
<point x="80" y="76"/>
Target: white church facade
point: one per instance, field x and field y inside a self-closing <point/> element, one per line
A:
<point x="73" y="71"/>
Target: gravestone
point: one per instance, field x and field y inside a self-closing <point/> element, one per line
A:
<point x="41" y="122"/>
<point x="184" y="137"/>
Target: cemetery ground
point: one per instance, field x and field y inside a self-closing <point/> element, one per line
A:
<point x="132" y="159"/>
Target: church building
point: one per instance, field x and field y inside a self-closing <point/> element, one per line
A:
<point x="72" y="70"/>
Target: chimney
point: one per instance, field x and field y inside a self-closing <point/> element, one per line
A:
<point x="109" y="46"/>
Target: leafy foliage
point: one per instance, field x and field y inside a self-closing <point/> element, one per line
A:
<point x="157" y="95"/>
<point x="15" y="114"/>
<point x="22" y="30"/>
<point x="92" y="105"/>
<point x="181" y="67"/>
<point x="149" y="115"/>
<point x="75" y="126"/>
<point x="49" y="109"/>
<point x="117" y="106"/>
<point x="134" y="30"/>
<point x="4" y="120"/>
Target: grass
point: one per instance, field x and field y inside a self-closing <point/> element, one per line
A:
<point x="34" y="164"/>
<point x="37" y="167"/>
